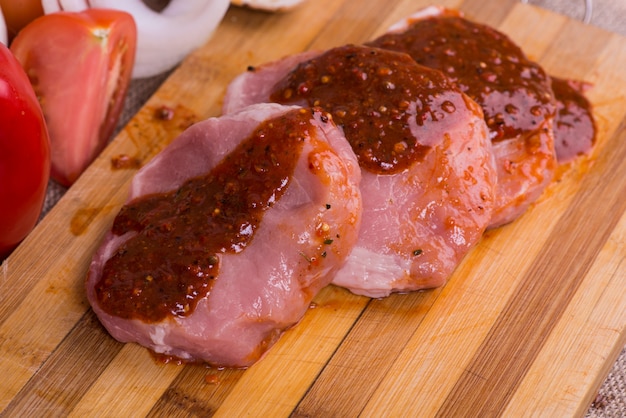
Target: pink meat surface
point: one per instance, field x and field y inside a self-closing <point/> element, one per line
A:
<point x="266" y="288"/>
<point x="418" y="223"/>
<point x="514" y="93"/>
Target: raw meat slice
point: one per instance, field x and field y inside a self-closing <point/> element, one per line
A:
<point x="514" y="93"/>
<point x="575" y="126"/>
<point x="428" y="195"/>
<point x="256" y="84"/>
<point x="227" y="307"/>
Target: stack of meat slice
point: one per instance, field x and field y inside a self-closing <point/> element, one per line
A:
<point x="377" y="167"/>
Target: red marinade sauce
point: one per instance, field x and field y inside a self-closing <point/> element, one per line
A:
<point x="513" y="91"/>
<point x="391" y="109"/>
<point x="575" y="127"/>
<point x="174" y="259"/>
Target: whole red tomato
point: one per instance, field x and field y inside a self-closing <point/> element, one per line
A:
<point x="24" y="154"/>
<point x="80" y="66"/>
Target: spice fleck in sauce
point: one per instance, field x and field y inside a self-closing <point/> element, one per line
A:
<point x="124" y="161"/>
<point x="174" y="259"/>
<point x="575" y="128"/>
<point x="513" y="91"/>
<point x="389" y="107"/>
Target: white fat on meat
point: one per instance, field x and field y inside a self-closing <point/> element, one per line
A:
<point x="419" y="223"/>
<point x="263" y="290"/>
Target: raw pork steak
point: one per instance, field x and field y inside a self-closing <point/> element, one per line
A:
<point x="428" y="176"/>
<point x="514" y="93"/>
<point x="228" y="234"/>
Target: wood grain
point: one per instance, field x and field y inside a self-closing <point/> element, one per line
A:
<point x="529" y="323"/>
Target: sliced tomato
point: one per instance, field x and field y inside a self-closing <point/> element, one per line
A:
<point x="24" y="154"/>
<point x="80" y="66"/>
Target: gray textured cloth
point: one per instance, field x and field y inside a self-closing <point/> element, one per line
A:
<point x="610" y="401"/>
<point x="608" y="14"/>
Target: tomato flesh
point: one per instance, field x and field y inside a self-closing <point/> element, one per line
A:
<point x="80" y="66"/>
<point x="24" y="154"/>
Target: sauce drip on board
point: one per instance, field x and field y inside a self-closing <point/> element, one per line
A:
<point x="391" y="109"/>
<point x="513" y="91"/>
<point x="574" y="128"/>
<point x="172" y="261"/>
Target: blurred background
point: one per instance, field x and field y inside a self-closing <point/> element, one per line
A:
<point x="607" y="14"/>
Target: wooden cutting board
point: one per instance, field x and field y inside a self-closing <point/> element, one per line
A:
<point x="529" y="324"/>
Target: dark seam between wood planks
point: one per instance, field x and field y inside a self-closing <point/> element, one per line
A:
<point x="39" y="389"/>
<point x="323" y="398"/>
